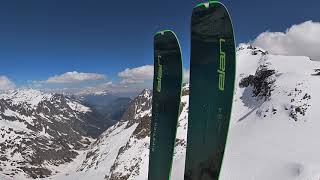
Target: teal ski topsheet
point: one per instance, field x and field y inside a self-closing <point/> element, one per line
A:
<point x="165" y="104"/>
<point x="212" y="77"/>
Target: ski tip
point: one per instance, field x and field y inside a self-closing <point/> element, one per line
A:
<point x="163" y="32"/>
<point x="206" y="4"/>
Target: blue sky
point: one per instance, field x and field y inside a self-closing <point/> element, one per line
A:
<point x="42" y="39"/>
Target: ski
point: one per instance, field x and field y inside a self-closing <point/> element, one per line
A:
<point x="167" y="84"/>
<point x="212" y="77"/>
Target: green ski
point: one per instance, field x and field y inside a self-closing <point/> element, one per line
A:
<point x="165" y="104"/>
<point x="212" y="77"/>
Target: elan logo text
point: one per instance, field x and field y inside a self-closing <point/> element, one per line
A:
<point x="159" y="75"/>
<point x="222" y="65"/>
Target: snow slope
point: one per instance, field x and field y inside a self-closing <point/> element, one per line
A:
<point x="275" y="138"/>
<point x="39" y="131"/>
<point x="273" y="132"/>
<point x="273" y="128"/>
<point x="122" y="151"/>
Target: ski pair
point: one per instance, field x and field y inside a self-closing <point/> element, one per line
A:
<point x="212" y="76"/>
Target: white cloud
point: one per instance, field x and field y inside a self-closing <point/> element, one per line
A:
<point x="136" y="75"/>
<point x="74" y="77"/>
<point x="300" y="40"/>
<point x="6" y="84"/>
<point x="186" y="75"/>
<point x="108" y="87"/>
<point x="144" y="73"/>
<point x="100" y="88"/>
<point x="107" y="83"/>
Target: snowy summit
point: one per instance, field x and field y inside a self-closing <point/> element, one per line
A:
<point x="272" y="134"/>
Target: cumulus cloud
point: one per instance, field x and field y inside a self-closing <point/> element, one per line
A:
<point x="6" y="84"/>
<point x="136" y="75"/>
<point x="130" y="90"/>
<point x="299" y="40"/>
<point x="74" y="77"/>
<point x="144" y="73"/>
<point x="186" y="75"/>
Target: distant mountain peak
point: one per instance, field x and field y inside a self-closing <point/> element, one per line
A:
<point x="93" y="92"/>
<point x="275" y="100"/>
<point x="30" y="97"/>
<point x="275" y="111"/>
<point x="252" y="49"/>
<point x="41" y="130"/>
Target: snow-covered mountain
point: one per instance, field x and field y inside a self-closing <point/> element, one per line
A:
<point x="122" y="151"/>
<point x="41" y="130"/>
<point x="110" y="107"/>
<point x="273" y="132"/>
<point x="105" y="104"/>
<point x="275" y="122"/>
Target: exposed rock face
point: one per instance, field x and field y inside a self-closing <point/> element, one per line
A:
<point x="128" y="159"/>
<point x="261" y="82"/>
<point x="139" y="107"/>
<point x="39" y="129"/>
<point x="274" y="119"/>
